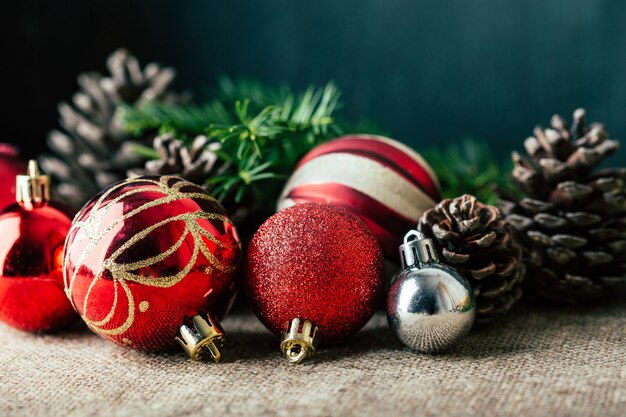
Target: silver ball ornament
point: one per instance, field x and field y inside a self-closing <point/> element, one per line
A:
<point x="430" y="306"/>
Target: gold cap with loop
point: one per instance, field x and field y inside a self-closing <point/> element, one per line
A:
<point x="33" y="188"/>
<point x="298" y="343"/>
<point x="202" y="342"/>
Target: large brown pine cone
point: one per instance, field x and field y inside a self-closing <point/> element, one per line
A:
<point x="572" y="217"/>
<point x="92" y="150"/>
<point x="474" y="238"/>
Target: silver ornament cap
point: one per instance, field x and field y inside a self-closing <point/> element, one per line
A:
<point x="430" y="306"/>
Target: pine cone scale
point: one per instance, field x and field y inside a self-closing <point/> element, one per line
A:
<point x="453" y="257"/>
<point x="539" y="238"/>
<point x="494" y="289"/>
<point x="569" y="241"/>
<point x="509" y="267"/>
<point x="484" y="272"/>
<point x="519" y="222"/>
<point x="535" y="206"/>
<point x="549" y="221"/>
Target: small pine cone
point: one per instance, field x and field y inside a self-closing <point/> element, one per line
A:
<point x="572" y="219"/>
<point x="195" y="163"/>
<point x="474" y="238"/>
<point x="92" y="150"/>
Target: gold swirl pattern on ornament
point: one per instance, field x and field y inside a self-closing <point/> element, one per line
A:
<point x="123" y="273"/>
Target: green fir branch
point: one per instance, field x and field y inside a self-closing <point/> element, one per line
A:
<point x="184" y="121"/>
<point x="268" y="144"/>
<point x="263" y="131"/>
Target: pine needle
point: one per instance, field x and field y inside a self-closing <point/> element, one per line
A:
<point x="469" y="166"/>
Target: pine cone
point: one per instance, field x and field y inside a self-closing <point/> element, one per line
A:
<point x="572" y="220"/>
<point x="474" y="238"/>
<point x="92" y="149"/>
<point x="195" y="163"/>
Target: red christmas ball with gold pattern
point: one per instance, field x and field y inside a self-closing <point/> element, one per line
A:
<point x="151" y="260"/>
<point x="31" y="254"/>
<point x="315" y="273"/>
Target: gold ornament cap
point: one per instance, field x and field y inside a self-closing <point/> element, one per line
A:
<point x="298" y="343"/>
<point x="202" y="343"/>
<point x="32" y="188"/>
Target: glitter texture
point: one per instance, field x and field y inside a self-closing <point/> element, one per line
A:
<point x="317" y="262"/>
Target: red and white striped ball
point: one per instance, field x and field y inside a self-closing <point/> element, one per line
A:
<point x="385" y="183"/>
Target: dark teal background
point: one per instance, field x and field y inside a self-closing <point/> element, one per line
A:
<point x="427" y="72"/>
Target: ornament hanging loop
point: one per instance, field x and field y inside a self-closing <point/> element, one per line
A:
<point x="417" y="250"/>
<point x="203" y="342"/>
<point x="33" y="188"/>
<point x="298" y="343"/>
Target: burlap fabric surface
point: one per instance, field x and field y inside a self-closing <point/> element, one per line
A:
<point x="539" y="362"/>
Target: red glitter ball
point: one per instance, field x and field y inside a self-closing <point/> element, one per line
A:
<point x="317" y="262"/>
<point x="146" y="255"/>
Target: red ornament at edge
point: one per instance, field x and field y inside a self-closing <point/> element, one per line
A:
<point x="10" y="167"/>
<point x="31" y="275"/>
